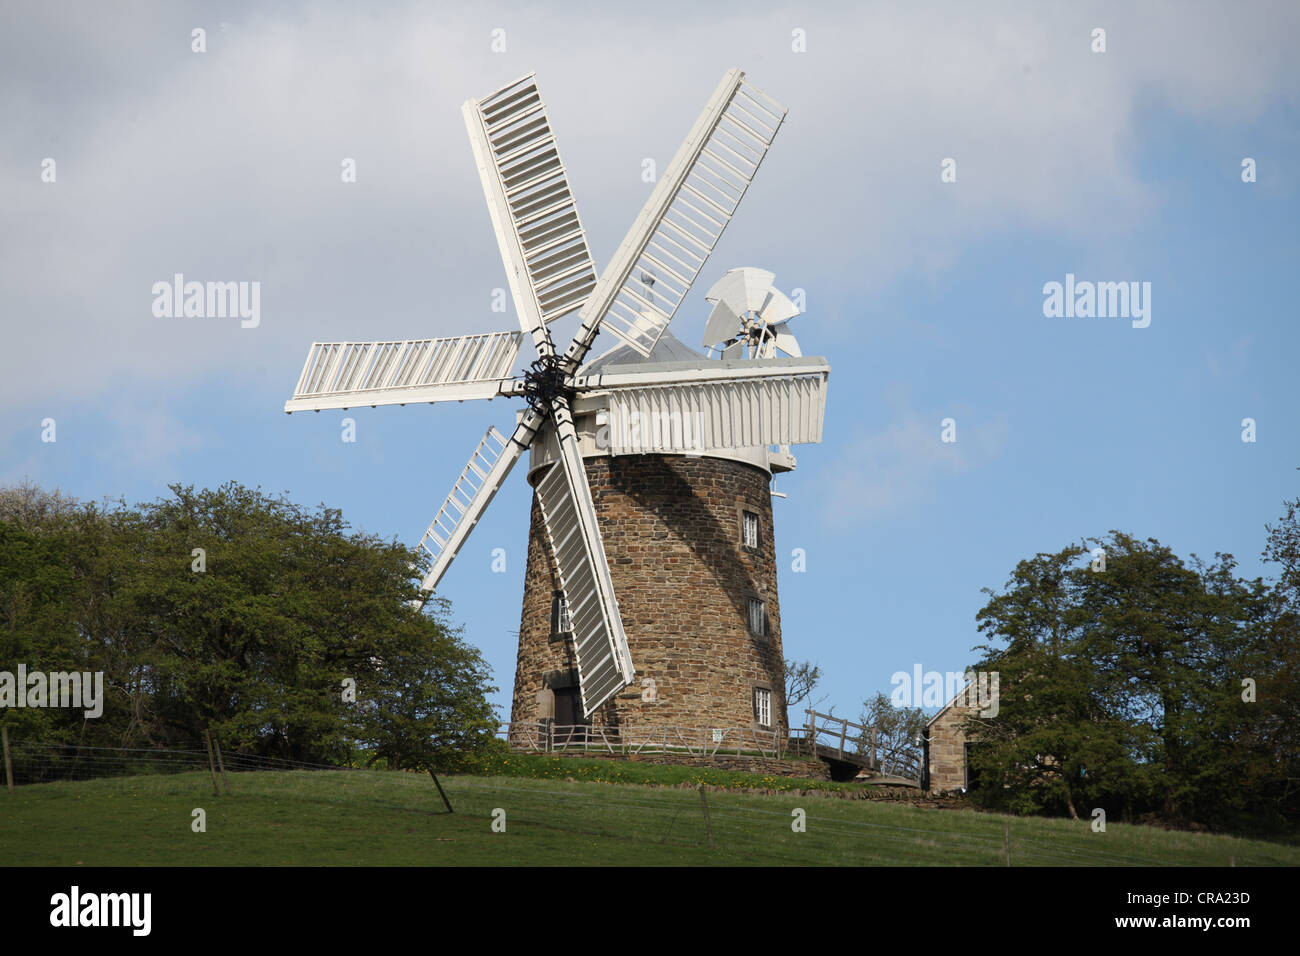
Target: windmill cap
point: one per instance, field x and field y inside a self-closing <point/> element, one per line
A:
<point x="669" y="348"/>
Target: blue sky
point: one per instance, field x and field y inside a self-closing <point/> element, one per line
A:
<point x="926" y="297"/>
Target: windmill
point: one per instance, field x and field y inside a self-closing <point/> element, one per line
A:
<point x="646" y="407"/>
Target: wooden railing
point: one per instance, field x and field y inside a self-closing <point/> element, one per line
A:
<point x="828" y="735"/>
<point x="823" y="735"/>
<point x="546" y="737"/>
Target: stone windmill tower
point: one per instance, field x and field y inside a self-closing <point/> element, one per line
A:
<point x="650" y="595"/>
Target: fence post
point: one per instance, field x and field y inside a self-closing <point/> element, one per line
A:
<point x="1006" y="839"/>
<point x="707" y="825"/>
<point x="9" y="767"/>
<point x="875" y="764"/>
<point x="440" y="791"/>
<point x="216" y="743"/>
<point x="844" y="732"/>
<point x="212" y="764"/>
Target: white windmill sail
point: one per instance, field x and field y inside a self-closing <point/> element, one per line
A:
<point x="483" y="476"/>
<point x="347" y="374"/>
<point x="548" y="263"/>
<point x="470" y="495"/>
<point x="550" y="273"/>
<point x="683" y="219"/>
<point x="600" y="645"/>
<point x="549" y="269"/>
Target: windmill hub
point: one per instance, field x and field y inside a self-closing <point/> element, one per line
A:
<point x="545" y="383"/>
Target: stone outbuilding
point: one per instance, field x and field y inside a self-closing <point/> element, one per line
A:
<point x="946" y="746"/>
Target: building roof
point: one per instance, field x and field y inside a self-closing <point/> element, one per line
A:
<point x="952" y="702"/>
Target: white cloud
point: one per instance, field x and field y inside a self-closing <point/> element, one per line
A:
<point x="880" y="473"/>
<point x="144" y="440"/>
<point x="225" y="165"/>
<point x="1230" y="360"/>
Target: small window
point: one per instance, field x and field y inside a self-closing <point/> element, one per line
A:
<point x="561" y="625"/>
<point x="757" y="617"/>
<point x="763" y="706"/>
<point x="749" y="530"/>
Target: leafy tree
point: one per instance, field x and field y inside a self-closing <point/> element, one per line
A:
<point x="255" y="641"/>
<point x="35" y="509"/>
<point x="1120" y="688"/>
<point x="1050" y="729"/>
<point x="1283" y="549"/>
<point x="36" y="628"/>
<point x="1270" y="765"/>
<point x="898" y="729"/>
<point x="425" y="707"/>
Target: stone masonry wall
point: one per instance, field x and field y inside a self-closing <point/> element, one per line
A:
<point x="672" y="532"/>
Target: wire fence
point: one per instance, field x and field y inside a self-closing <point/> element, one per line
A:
<point x="638" y="817"/>
<point x="36" y="762"/>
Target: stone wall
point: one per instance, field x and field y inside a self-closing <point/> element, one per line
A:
<point x="672" y="532"/>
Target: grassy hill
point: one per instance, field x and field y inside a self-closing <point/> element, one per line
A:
<point x="380" y="818"/>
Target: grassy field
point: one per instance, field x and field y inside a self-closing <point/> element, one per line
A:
<point x="578" y="769"/>
<point x="377" y="818"/>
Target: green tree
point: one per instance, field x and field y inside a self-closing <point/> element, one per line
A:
<point x="1035" y="754"/>
<point x="1283" y="549"/>
<point x="290" y="606"/>
<point x="425" y="704"/>
<point x="898" y="730"/>
<point x="1270" y="749"/>
<point x="233" y="610"/>
<point x="36" y="628"/>
<point x="1120" y="687"/>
